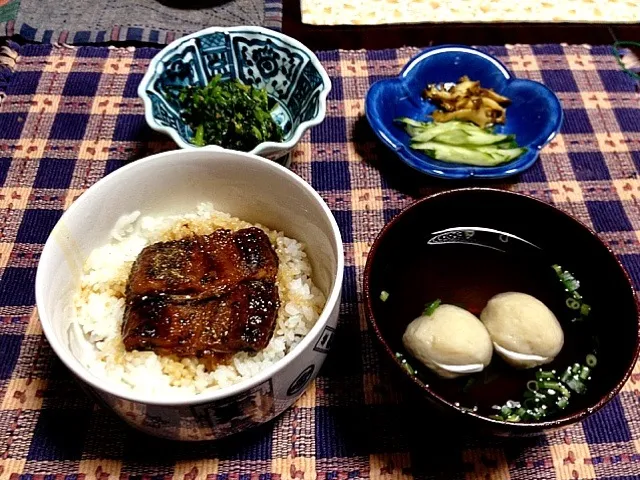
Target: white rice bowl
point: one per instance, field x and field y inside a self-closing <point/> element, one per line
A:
<point x="99" y="308"/>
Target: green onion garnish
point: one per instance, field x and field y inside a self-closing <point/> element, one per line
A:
<point x="570" y="283"/>
<point x="384" y="295"/>
<point x="591" y="360"/>
<point x="572" y="303"/>
<point x="574" y="299"/>
<point x="542" y="375"/>
<point x="405" y="364"/>
<point x="584" y="373"/>
<point x="576" y="385"/>
<point x="431" y="307"/>
<point x="548" y="393"/>
<point x="408" y="368"/>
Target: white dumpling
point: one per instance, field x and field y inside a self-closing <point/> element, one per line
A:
<point x="451" y="342"/>
<point x="525" y="333"/>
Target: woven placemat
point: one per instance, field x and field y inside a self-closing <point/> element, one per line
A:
<point x="70" y="116"/>
<point x="154" y="21"/>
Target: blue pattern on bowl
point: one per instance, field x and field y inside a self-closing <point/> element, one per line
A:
<point x="297" y="85"/>
<point x="534" y="116"/>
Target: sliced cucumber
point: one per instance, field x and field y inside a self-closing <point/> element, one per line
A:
<point x="462" y="142"/>
<point x="457" y="154"/>
<point x="461" y="137"/>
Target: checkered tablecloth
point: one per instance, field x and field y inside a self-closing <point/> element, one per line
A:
<point x="70" y="116"/>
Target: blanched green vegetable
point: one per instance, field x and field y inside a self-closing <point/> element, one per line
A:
<point x="229" y="114"/>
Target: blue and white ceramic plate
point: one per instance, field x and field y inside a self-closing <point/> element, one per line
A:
<point x="292" y="75"/>
<point x="534" y="116"/>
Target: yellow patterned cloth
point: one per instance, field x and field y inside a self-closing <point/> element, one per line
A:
<point x="379" y="12"/>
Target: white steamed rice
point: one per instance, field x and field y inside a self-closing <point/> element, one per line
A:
<point x="99" y="307"/>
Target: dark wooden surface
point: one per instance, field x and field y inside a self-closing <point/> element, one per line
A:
<point x="393" y="36"/>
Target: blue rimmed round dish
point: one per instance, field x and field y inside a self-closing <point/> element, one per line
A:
<point x="534" y="115"/>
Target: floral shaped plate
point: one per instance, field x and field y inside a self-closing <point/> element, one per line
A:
<point x="534" y="115"/>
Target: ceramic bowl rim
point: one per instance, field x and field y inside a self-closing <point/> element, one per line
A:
<point x="522" y="428"/>
<point x="459" y="171"/>
<point x="73" y="364"/>
<point x="150" y="74"/>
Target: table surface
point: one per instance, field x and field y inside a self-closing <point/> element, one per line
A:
<point x="72" y="115"/>
<point x="421" y="35"/>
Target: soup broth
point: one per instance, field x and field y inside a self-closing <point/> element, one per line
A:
<point x="466" y="267"/>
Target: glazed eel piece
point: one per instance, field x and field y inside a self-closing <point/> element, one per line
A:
<point x="203" y="295"/>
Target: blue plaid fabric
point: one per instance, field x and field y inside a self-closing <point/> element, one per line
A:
<point x="71" y="116"/>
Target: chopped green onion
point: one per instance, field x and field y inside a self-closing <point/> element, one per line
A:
<point x="556" y="387"/>
<point x="405" y="364"/>
<point x="532" y="385"/>
<point x="408" y="368"/>
<point x="431" y="307"/>
<point x="584" y="373"/>
<point x="549" y="385"/>
<point x="542" y="375"/>
<point x="585" y="309"/>
<point x="570" y="283"/>
<point x="572" y="303"/>
<point x="566" y="375"/>
<point x="576" y="385"/>
<point x="591" y="360"/>
<point x="384" y="295"/>
<point x="537" y="414"/>
<point x="562" y="402"/>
